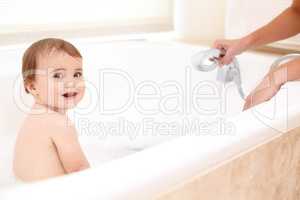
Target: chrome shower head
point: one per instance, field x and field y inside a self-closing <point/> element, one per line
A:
<point x="206" y="61"/>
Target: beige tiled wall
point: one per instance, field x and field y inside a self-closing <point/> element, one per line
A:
<point x="199" y="20"/>
<point x="270" y="172"/>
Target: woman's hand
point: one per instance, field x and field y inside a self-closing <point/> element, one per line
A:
<point x="269" y="86"/>
<point x="265" y="90"/>
<point x="272" y="82"/>
<point x="231" y="48"/>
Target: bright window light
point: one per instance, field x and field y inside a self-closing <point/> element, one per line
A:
<point x="37" y="12"/>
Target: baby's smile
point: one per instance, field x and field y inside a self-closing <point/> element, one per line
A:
<point x="69" y="95"/>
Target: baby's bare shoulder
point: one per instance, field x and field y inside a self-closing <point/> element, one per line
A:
<point x="51" y="123"/>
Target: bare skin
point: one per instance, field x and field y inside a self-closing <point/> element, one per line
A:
<point x="272" y="82"/>
<point x="286" y="25"/>
<point x="47" y="144"/>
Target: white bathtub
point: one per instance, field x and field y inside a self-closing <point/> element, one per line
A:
<point x="156" y="159"/>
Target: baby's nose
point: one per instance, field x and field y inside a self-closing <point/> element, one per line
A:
<point x="69" y="84"/>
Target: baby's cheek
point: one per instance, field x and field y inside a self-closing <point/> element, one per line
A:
<point x="54" y="92"/>
<point x="42" y="88"/>
<point x="82" y="90"/>
<point x="55" y="88"/>
<point x="80" y="87"/>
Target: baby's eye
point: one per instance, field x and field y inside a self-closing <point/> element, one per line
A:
<point x="77" y="74"/>
<point x="58" y="75"/>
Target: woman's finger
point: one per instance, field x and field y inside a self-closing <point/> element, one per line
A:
<point x="248" y="101"/>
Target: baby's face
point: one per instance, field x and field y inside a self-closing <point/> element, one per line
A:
<point x="59" y="81"/>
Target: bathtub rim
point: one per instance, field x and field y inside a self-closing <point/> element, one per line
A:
<point x="148" y="185"/>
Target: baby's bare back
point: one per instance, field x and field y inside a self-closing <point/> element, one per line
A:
<point x="36" y="156"/>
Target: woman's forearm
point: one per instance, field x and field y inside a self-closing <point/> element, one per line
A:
<point x="286" y="25"/>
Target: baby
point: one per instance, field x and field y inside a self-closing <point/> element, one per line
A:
<point x="47" y="144"/>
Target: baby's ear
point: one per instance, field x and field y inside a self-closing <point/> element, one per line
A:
<point x="30" y="88"/>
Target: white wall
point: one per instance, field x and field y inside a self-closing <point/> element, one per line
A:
<point x="199" y="20"/>
<point x="30" y="20"/>
<point x="206" y="20"/>
<point x="244" y="16"/>
<point x="51" y="12"/>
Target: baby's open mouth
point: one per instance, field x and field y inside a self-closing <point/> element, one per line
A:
<point x="69" y="94"/>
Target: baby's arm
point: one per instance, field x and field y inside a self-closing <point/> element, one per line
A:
<point x="69" y="150"/>
<point x="272" y="82"/>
